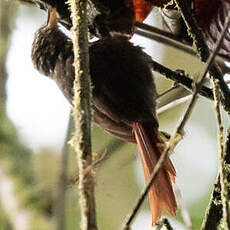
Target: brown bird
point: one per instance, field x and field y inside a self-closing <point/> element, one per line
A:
<point x="123" y="98"/>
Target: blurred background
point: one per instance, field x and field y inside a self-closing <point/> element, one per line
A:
<point x="34" y="119"/>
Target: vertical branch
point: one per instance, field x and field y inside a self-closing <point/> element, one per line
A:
<point x="214" y="212"/>
<point x="82" y="113"/>
<point x="223" y="175"/>
<point x="218" y="207"/>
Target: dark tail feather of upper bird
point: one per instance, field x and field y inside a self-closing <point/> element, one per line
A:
<point x="151" y="146"/>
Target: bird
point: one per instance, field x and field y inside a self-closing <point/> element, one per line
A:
<point x="123" y="98"/>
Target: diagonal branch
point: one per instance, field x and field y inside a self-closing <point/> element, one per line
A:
<point x="173" y="104"/>
<point x="181" y="79"/>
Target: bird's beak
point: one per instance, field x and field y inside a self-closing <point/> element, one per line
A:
<point x="52" y="17"/>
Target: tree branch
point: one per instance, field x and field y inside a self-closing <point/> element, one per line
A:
<point x="82" y="113"/>
<point x="181" y="79"/>
<point x="222" y="155"/>
<point x="214" y="211"/>
<point x="173" y="104"/>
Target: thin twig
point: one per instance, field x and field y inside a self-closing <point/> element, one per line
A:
<point x="173" y="104"/>
<point x="96" y="162"/>
<point x="113" y="146"/>
<point x="167" y="91"/>
<point x="223" y="178"/>
<point x="26" y="1"/>
<point x="82" y="113"/>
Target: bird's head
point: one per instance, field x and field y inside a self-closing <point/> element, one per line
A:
<point x="47" y="44"/>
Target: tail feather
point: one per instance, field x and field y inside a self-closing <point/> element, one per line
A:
<point x="161" y="195"/>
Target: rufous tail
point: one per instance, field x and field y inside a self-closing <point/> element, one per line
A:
<point x="151" y="146"/>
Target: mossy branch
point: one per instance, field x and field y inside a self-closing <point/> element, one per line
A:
<point x="222" y="155"/>
<point x="214" y="211"/>
<point x="82" y="113"/>
<point x="193" y="29"/>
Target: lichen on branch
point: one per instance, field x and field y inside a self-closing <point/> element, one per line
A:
<point x="82" y="113"/>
